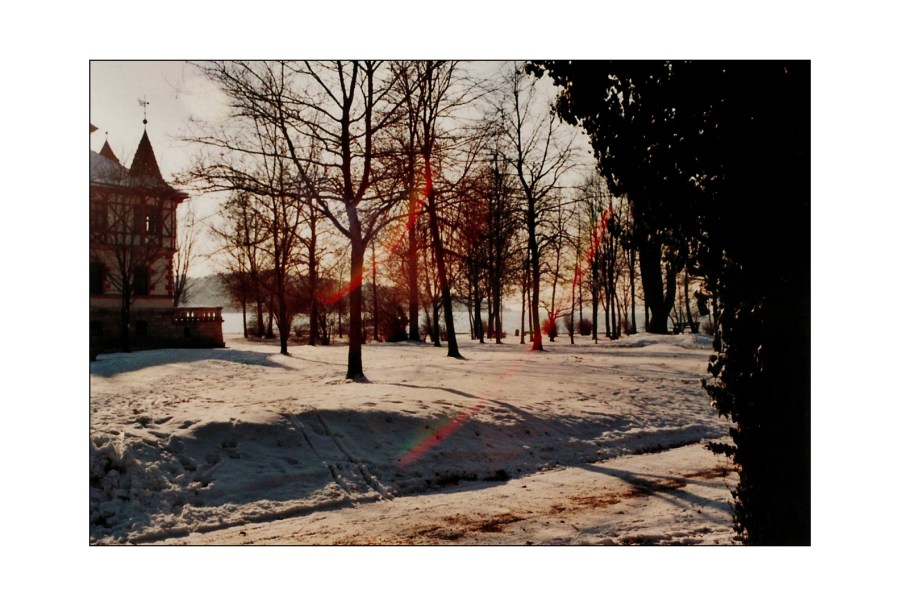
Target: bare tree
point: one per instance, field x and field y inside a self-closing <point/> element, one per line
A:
<point x="593" y="197"/>
<point x="414" y="186"/>
<point x="540" y="155"/>
<point x="501" y="233"/>
<point x="241" y="236"/>
<point x="344" y="109"/>
<point x="184" y="255"/>
<point x="554" y="245"/>
<point x="331" y="117"/>
<point x="435" y="91"/>
<point x="276" y="199"/>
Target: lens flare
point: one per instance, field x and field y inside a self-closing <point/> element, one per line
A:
<point x="420" y="447"/>
<point x="417" y="203"/>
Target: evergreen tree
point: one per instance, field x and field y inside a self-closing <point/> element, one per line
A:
<point x="720" y="152"/>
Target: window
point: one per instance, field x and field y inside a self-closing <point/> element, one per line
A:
<point x="153" y="221"/>
<point x="98" y="219"/>
<point x="141" y="282"/>
<point x="97" y="278"/>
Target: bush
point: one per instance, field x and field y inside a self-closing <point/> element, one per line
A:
<point x="550" y="328"/>
<point x="585" y="327"/>
<point x="393" y="328"/>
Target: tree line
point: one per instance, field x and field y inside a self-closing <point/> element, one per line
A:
<point x="460" y="189"/>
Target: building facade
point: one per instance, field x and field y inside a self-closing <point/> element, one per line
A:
<point x="133" y="240"/>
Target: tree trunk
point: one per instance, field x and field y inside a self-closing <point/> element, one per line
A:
<point x="687" y="302"/>
<point x="530" y="316"/>
<point x="469" y="298"/>
<point x="413" y="285"/>
<point x="313" y="280"/>
<point x="613" y="305"/>
<point x="126" y="318"/>
<point x="374" y="297"/>
<point x="606" y="311"/>
<point x="357" y="254"/>
<point x="413" y="254"/>
<point x="498" y="321"/>
<point x="284" y="321"/>
<point x="244" y="314"/>
<point x="631" y="262"/>
<point x="552" y="314"/>
<point x="671" y="286"/>
<point x="479" y="325"/>
<point x="658" y="303"/>
<point x="572" y="317"/>
<point x="436" y="313"/>
<point x="446" y="300"/>
<point x="260" y="321"/>
<point x="524" y="304"/>
<point x="580" y="306"/>
<point x="537" y="344"/>
<point x="490" y="318"/>
<point x="617" y="321"/>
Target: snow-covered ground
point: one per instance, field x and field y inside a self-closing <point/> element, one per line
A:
<point x="584" y="444"/>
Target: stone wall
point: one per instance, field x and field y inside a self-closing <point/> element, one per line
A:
<point x="173" y="327"/>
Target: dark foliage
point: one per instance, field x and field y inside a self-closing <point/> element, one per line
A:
<point x="719" y="152"/>
<point x="392" y="317"/>
<point x="585" y="326"/>
<point x="550" y="327"/>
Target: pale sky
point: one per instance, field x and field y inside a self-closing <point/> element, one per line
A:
<point x="175" y="93"/>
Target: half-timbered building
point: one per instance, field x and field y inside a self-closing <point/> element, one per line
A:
<point x="133" y="236"/>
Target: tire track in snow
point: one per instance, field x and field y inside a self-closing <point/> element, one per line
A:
<point x="336" y="458"/>
<point x="332" y="469"/>
<point x="373" y="483"/>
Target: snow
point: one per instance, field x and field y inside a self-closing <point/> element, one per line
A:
<point x="585" y="444"/>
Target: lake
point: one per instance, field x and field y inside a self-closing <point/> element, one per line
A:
<point x="233" y="322"/>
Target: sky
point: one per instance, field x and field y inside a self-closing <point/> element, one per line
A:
<point x="176" y="93"/>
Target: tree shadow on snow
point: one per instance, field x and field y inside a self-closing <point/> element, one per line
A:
<point x="674" y="489"/>
<point x="232" y="473"/>
<point x="109" y="365"/>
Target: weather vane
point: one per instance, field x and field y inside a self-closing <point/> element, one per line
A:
<point x="144" y="103"/>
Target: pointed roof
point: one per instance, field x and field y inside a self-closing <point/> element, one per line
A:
<point x="144" y="167"/>
<point x="93" y="128"/>
<point x="107" y="152"/>
<point x="106" y="172"/>
<point x="145" y="171"/>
